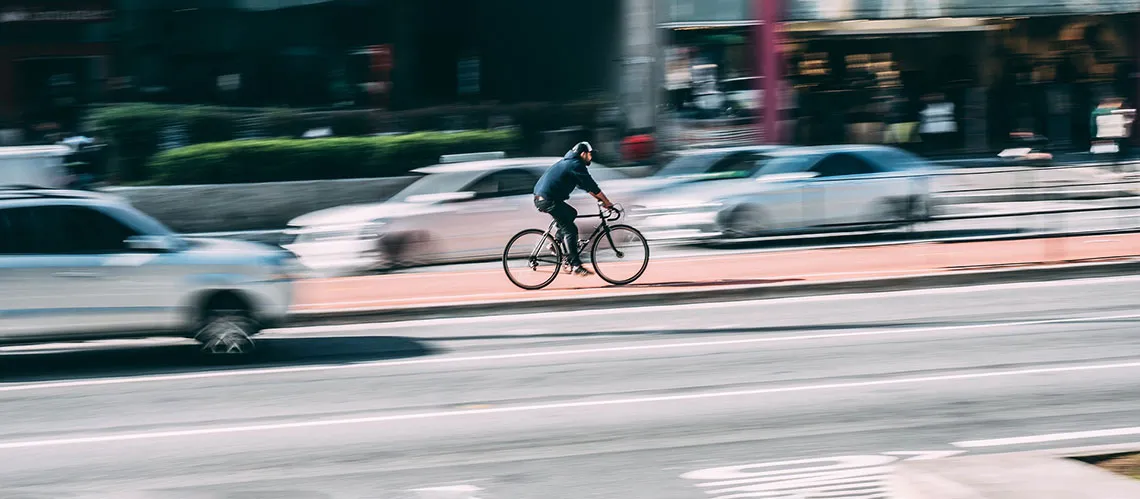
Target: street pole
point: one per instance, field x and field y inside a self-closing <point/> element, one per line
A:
<point x="769" y="59"/>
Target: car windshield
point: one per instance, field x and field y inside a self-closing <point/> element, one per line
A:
<point x="436" y="183"/>
<point x="690" y="164"/>
<point x="142" y="222"/>
<point x="788" y="164"/>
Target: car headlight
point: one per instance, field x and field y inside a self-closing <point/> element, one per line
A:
<point x="337" y="232"/>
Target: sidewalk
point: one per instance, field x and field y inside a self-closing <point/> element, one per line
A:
<point x="707" y="273"/>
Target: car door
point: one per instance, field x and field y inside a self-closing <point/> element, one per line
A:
<point x="31" y="301"/>
<point x="145" y="288"/>
<point x="93" y="284"/>
<point x="53" y="288"/>
<point x="498" y="210"/>
<point x="844" y="184"/>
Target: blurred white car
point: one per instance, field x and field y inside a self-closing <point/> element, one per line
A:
<point x="34" y="166"/>
<point x="742" y="95"/>
<point x="797" y="189"/>
<point x="696" y="165"/>
<point x="455" y="212"/>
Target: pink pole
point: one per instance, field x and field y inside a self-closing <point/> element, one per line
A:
<point x="768" y="59"/>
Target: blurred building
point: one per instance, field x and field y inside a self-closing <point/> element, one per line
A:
<point x="53" y="58"/>
<point x="855" y="67"/>
<point x="303" y="53"/>
<point x="852" y="68"/>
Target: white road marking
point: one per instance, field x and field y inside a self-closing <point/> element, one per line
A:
<point x="1053" y="437"/>
<point x="926" y="455"/>
<point x="448" y="492"/>
<point x="325" y="423"/>
<point x="493" y="319"/>
<point x="855" y="476"/>
<point x="540" y="354"/>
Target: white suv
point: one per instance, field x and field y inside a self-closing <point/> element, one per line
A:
<point x="84" y="266"/>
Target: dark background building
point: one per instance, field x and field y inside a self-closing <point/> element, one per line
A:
<point x="57" y="56"/>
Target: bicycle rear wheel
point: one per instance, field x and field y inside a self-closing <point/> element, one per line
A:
<point x="532" y="259"/>
<point x="621" y="256"/>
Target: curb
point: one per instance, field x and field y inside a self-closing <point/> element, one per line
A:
<point x="725" y="293"/>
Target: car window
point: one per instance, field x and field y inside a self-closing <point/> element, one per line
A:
<point x="63" y="230"/>
<point x="516" y="182"/>
<point x="690" y="164"/>
<point x="18" y="235"/>
<point x="93" y="231"/>
<point x="841" y="165"/>
<point x="435" y="183"/>
<point x="894" y="159"/>
<point x="788" y="164"/>
<point x="504" y="183"/>
<point x="739" y="165"/>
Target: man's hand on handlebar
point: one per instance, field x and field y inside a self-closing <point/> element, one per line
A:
<point x="604" y="201"/>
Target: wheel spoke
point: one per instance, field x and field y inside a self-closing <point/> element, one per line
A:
<point x="622" y="257"/>
<point x="532" y="259"/>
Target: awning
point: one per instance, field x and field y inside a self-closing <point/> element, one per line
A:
<point x="682" y="13"/>
<point x="841" y="10"/>
<point x="889" y="26"/>
<point x="249" y="5"/>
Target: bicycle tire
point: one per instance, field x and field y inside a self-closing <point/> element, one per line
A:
<point x="545" y="240"/>
<point x="602" y="237"/>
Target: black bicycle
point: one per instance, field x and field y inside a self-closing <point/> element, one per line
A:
<point x="618" y="253"/>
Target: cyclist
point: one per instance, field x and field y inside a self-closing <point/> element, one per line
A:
<point x="554" y="188"/>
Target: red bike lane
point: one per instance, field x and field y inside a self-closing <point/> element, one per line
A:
<point x="706" y="272"/>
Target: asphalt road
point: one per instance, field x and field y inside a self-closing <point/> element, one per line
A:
<point x="705" y="400"/>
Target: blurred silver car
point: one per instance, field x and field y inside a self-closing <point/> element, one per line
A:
<point x="454" y="212"/>
<point x="795" y="189"/>
<point x="83" y="266"/>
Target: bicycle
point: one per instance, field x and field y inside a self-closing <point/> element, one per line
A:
<point x="542" y="255"/>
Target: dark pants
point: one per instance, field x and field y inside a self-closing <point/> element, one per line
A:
<point x="564" y="216"/>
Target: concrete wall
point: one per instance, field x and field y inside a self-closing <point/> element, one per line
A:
<point x="244" y="207"/>
<point x="211" y="208"/>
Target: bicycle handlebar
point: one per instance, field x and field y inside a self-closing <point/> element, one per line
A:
<point x="610" y="214"/>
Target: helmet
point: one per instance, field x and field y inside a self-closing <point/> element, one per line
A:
<point x="583" y="147"/>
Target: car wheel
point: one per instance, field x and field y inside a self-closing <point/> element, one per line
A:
<point x="227" y="327"/>
<point x="744" y="222"/>
<point x="407" y="250"/>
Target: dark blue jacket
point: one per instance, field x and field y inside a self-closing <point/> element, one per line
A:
<point x="561" y="179"/>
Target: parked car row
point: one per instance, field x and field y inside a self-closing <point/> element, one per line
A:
<point x="466" y="211"/>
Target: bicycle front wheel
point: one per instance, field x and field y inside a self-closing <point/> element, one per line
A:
<point x="532" y="259"/>
<point x="620" y="256"/>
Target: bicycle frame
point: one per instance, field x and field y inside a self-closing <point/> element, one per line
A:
<point x="603" y="227"/>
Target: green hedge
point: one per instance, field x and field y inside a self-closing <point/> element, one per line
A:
<point x="276" y="160"/>
<point x="134" y="130"/>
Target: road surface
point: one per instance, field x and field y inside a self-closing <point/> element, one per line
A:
<point x="721" y="400"/>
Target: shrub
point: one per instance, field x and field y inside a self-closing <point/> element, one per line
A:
<point x="274" y="160"/>
<point x="133" y="133"/>
<point x="209" y="125"/>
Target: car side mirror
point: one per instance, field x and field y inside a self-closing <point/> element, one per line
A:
<point x="152" y="244"/>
